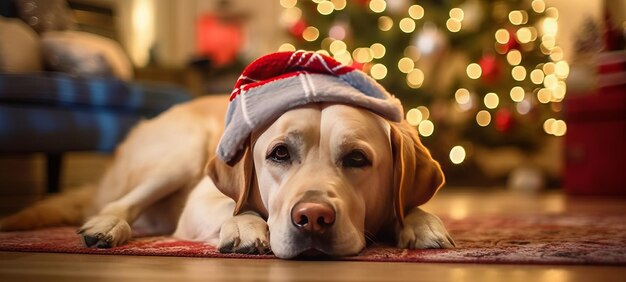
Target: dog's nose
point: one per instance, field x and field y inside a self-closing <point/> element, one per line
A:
<point x="313" y="217"/>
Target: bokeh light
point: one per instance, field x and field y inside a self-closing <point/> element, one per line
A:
<point x="416" y="12"/>
<point x="407" y="25"/>
<point x="288" y="3"/>
<point x="536" y="76"/>
<point x="415" y="78"/>
<point x="378" y="71"/>
<point x="378" y="6"/>
<point x="457" y="154"/>
<point x="453" y="25"/>
<point x="385" y="23"/>
<point x="310" y="33"/>
<point x="406" y="65"/>
<point x="483" y="118"/>
<point x="538" y="6"/>
<point x="518" y="73"/>
<point x="517" y="94"/>
<point x="325" y="7"/>
<point x="514" y="57"/>
<point x="491" y="100"/>
<point x="474" y="71"/>
<point x="286" y="47"/>
<point x="414" y="117"/>
<point x="462" y="96"/>
<point x="502" y="36"/>
<point x="426" y="128"/>
<point x="378" y="50"/>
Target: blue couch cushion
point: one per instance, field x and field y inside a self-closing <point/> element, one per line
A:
<point x="53" y="112"/>
<point x="66" y="91"/>
<point x="53" y="130"/>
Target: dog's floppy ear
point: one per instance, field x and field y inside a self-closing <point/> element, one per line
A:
<point x="237" y="181"/>
<point x="417" y="176"/>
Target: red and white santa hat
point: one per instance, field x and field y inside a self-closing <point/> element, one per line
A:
<point x="278" y="82"/>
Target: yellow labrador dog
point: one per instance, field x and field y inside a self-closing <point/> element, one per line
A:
<point x="319" y="178"/>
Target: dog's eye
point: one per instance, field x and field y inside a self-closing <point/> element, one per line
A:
<point x="355" y="159"/>
<point x="279" y="154"/>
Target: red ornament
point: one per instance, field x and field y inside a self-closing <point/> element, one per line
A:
<point x="217" y="39"/>
<point x="491" y="69"/>
<point x="298" y="28"/>
<point x="504" y="120"/>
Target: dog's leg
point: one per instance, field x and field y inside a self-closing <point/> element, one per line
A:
<point x="208" y="217"/>
<point x="111" y="226"/>
<point x="423" y="230"/>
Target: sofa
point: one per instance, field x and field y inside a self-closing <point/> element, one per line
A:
<point x="87" y="102"/>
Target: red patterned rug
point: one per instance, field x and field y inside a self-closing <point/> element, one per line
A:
<point x="532" y="239"/>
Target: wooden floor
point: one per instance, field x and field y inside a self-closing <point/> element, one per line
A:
<point x="455" y="203"/>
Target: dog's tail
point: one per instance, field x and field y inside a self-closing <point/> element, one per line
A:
<point x="67" y="208"/>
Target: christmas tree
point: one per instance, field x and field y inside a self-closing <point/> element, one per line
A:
<point x="469" y="73"/>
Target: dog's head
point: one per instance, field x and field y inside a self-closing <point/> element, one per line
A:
<point x="327" y="176"/>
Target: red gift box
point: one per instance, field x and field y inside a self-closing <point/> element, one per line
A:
<point x="595" y="143"/>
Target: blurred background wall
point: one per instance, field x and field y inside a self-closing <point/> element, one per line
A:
<point x="202" y="46"/>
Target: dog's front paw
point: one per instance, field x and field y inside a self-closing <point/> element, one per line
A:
<point x="246" y="233"/>
<point x="423" y="230"/>
<point x="105" y="231"/>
